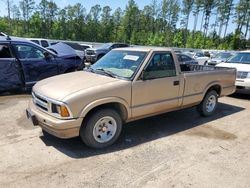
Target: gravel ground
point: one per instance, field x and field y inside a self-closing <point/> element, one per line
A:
<point x="177" y="149"/>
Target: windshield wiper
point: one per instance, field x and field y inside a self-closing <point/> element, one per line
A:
<point x="109" y="73"/>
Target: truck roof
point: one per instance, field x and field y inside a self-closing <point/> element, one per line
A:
<point x="145" y="48"/>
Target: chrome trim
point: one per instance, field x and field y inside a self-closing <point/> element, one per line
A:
<point x="49" y="105"/>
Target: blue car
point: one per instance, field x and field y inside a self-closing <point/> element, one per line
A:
<point x="23" y="63"/>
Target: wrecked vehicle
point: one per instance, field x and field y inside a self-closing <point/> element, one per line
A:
<point x="23" y="63"/>
<point x="125" y="85"/>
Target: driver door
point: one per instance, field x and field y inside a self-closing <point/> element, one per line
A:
<point x="10" y="73"/>
<point x="35" y="65"/>
<point x="158" y="88"/>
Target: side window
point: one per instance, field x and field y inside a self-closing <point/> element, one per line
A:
<point x="179" y="58"/>
<point x="185" y="58"/>
<point x="35" y="41"/>
<point x="5" y="51"/>
<point x="123" y="45"/>
<point x="28" y="52"/>
<point x="44" y="43"/>
<point x="161" y="65"/>
<point x="115" y="46"/>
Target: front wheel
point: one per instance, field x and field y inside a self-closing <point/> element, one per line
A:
<point x="101" y="129"/>
<point x="209" y="104"/>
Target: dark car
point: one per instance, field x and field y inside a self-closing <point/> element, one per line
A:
<point x="92" y="54"/>
<point x="185" y="59"/>
<point x="23" y="63"/>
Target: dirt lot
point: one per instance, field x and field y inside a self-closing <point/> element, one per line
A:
<point x="179" y="149"/>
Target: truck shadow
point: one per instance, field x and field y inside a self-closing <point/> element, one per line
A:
<point x="240" y="96"/>
<point x="142" y="131"/>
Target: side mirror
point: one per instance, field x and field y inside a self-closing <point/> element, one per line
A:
<point x="47" y="55"/>
<point x="143" y="75"/>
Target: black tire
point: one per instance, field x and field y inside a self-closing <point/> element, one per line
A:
<point x="206" y="109"/>
<point x="46" y="134"/>
<point x="88" y="128"/>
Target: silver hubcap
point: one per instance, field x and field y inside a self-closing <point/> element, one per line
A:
<point x="104" y="129"/>
<point x="211" y="103"/>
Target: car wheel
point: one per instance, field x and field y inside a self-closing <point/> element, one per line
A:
<point x="209" y="104"/>
<point x="101" y="129"/>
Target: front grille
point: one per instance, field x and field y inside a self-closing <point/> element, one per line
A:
<point x="90" y="52"/>
<point x="40" y="102"/>
<point x="242" y="75"/>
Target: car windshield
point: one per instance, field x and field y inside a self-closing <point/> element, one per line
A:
<point x="120" y="63"/>
<point x="240" y="58"/>
<point x="223" y="55"/>
<point x="199" y="54"/>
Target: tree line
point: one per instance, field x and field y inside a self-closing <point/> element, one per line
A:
<point x="164" y="23"/>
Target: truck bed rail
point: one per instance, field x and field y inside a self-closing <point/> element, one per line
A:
<point x="199" y="68"/>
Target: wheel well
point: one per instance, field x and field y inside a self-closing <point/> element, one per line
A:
<point x="120" y="108"/>
<point x="216" y="88"/>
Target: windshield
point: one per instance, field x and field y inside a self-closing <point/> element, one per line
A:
<point x="223" y="55"/>
<point x="199" y="54"/>
<point x="240" y="58"/>
<point x="121" y="64"/>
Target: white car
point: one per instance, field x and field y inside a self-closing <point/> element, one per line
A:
<point x="198" y="56"/>
<point x="42" y="42"/>
<point x="241" y="62"/>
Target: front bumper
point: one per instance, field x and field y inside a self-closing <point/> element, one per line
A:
<point x="243" y="85"/>
<point x="57" y="127"/>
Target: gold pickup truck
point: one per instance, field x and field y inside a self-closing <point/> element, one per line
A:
<point x="125" y="85"/>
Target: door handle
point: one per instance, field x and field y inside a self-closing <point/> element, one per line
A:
<point x="176" y="83"/>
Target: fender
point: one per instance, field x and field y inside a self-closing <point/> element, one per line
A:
<point x="214" y="83"/>
<point x="102" y="101"/>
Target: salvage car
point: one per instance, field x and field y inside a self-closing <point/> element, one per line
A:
<point x="93" y="55"/>
<point x="125" y="85"/>
<point x="23" y="63"/>
<point x="241" y="62"/>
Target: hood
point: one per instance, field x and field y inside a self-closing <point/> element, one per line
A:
<point x="63" y="49"/>
<point x="59" y="87"/>
<point x="238" y="66"/>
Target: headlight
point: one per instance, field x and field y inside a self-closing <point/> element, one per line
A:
<point x="248" y="75"/>
<point x="62" y="110"/>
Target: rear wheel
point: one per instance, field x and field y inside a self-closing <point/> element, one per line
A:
<point x="209" y="104"/>
<point x="101" y="129"/>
